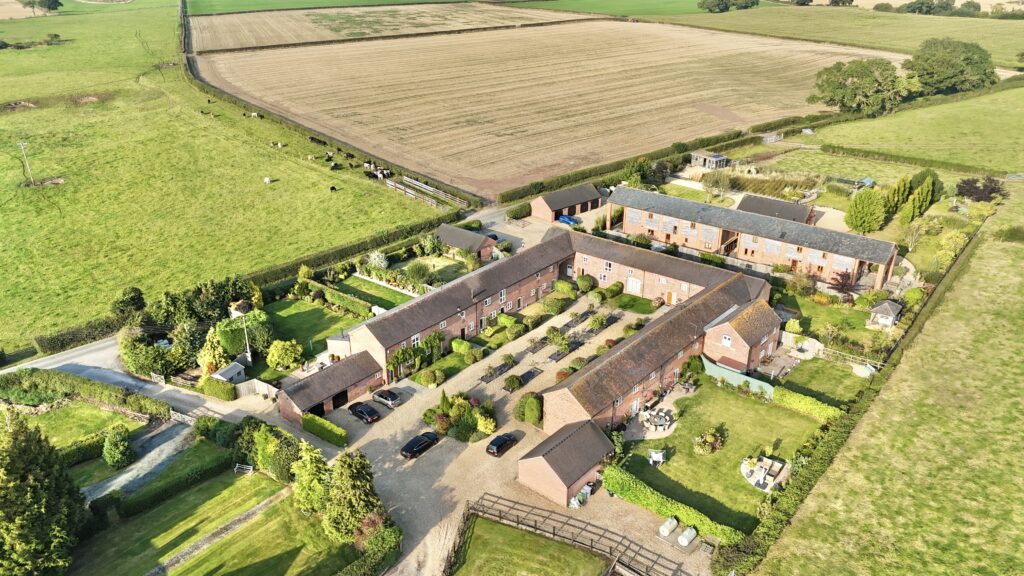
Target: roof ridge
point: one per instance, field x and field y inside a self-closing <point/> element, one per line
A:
<point x="582" y="424"/>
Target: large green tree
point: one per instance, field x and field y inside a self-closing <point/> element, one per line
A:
<point x="945" y="66"/>
<point x="41" y="509"/>
<point x="312" y="478"/>
<point x="872" y="86"/>
<point x="714" y="6"/>
<point x="866" y="212"/>
<point x="351" y="497"/>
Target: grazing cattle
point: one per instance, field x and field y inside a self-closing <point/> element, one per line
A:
<point x="348" y="155"/>
<point x="311" y="157"/>
<point x="203" y="112"/>
<point x="366" y="165"/>
<point x="254" y="115"/>
<point x="266" y="179"/>
<point x="334" y="165"/>
<point x="330" y="155"/>
<point x="334" y="188"/>
<point x="316" y="140"/>
<point x="370" y="175"/>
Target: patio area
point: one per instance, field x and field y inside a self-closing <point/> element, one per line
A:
<point x="658" y="418"/>
<point x="766" y="473"/>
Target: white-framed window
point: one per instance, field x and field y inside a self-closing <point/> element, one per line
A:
<point x="462" y="315"/>
<point x="664" y="280"/>
<point x="629" y="271"/>
<point x="403" y="345"/>
<point x="653" y="375"/>
<point x="537" y="275"/>
<point x="568" y="270"/>
<point x="707" y="245"/>
<point x="443" y="325"/>
<point x="762" y="354"/>
<point x="679" y="354"/>
<point x="377" y="375"/>
<point x="494" y="314"/>
<point x="636" y="389"/>
<point x="607" y="266"/>
<point x="618" y="401"/>
<point x="533" y="291"/>
<point x="602" y="277"/>
<point x="586" y="259"/>
<point x="470" y="327"/>
<point x="415" y="340"/>
<point x="726" y="340"/>
<point x="684" y="286"/>
<point x="543" y="287"/>
<point x="764" y="339"/>
<point x="501" y="297"/>
<point x="487" y="301"/>
<point x="551" y="268"/>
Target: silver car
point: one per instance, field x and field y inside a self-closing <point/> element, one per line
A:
<point x="387" y="397"/>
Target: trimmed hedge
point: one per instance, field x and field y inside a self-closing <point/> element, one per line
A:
<point x="912" y="160"/>
<point x="788" y="121"/>
<point x="805" y="405"/>
<point x="76" y="335"/>
<point x="83" y="449"/>
<point x="62" y="383"/>
<point x="146" y="499"/>
<point x="325" y="430"/>
<point x="217" y="388"/>
<point x="519" y="211"/>
<point x="380" y="552"/>
<point x="460" y="346"/>
<point x="359" y="307"/>
<point x="632" y="489"/>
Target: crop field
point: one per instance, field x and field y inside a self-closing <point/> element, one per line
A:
<point x="226" y="6"/>
<point x="14" y="9"/>
<point x="491" y="111"/>
<point x="155" y="193"/>
<point x="231" y="31"/>
<point x="880" y="30"/>
<point x="949" y="416"/>
<point x="620" y="7"/>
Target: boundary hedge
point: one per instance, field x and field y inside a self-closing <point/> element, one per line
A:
<point x="912" y="160"/>
<point x="325" y="430"/>
<point x="357" y="306"/>
<point x="632" y="489"/>
<point x="72" y="336"/>
<point x="145" y="499"/>
<point x="82" y="449"/>
<point x="62" y="383"/>
<point x="805" y="405"/>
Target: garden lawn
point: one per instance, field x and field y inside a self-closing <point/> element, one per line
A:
<point x="537" y="308"/>
<point x="496" y="340"/>
<point x="447" y="269"/>
<point x="631" y="303"/>
<point x="451" y="364"/>
<point x="372" y="292"/>
<point x="713" y="484"/>
<point x="138" y="544"/>
<point x="973" y="131"/>
<point x="309" y="324"/>
<point x="499" y="550"/>
<point x="814" y="316"/>
<point x="829" y="382"/>
<point x="290" y="544"/>
<point x="693" y="195"/>
<point x="200" y="453"/>
<point x="69" y="423"/>
<point x="929" y="481"/>
<point x="91" y="472"/>
<point x="199" y="7"/>
<point x="867" y="28"/>
<point x="155" y="194"/>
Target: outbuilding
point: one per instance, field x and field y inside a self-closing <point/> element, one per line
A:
<point x="331" y="388"/>
<point x="885" y="313"/>
<point x="566" y="202"/>
<point x="559" y="467"/>
<point x="461" y="239"/>
<point x="708" y="160"/>
<point x="233" y="373"/>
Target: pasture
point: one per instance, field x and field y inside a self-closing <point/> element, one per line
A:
<point x="155" y="193"/>
<point x="879" y="30"/>
<point x="232" y="31"/>
<point x="492" y="111"/>
<point x="928" y="482"/>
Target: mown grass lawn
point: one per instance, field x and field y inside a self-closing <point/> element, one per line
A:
<point x="309" y="324"/>
<point x="451" y="365"/>
<point x="713" y="484"/>
<point x="694" y="195"/>
<point x="91" y="472"/>
<point x="829" y="382"/>
<point x="498" y="550"/>
<point x="138" y="544"/>
<point x="199" y="454"/>
<point x="372" y="293"/>
<point x="155" y="194"/>
<point x="631" y="303"/>
<point x="816" y="162"/>
<point x="929" y="481"/>
<point x="69" y="423"/>
<point x="814" y="316"/>
<point x="290" y="544"/>
<point x="867" y="28"/>
<point x="447" y="269"/>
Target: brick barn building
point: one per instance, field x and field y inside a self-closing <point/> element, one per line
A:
<point x="560" y="466"/>
<point x="566" y="202"/>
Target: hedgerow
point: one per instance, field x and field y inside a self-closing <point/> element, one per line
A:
<point x="65" y="384"/>
<point x="148" y="497"/>
<point x="324" y="430"/>
<point x="805" y="405"/>
<point x="82" y="449"/>
<point x="912" y="160"/>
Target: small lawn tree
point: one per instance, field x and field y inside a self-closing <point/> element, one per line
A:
<point x="212" y="356"/>
<point x="286" y="354"/>
<point x="312" y="477"/>
<point x="866" y="212"/>
<point x="716" y="183"/>
<point x="117" y="453"/>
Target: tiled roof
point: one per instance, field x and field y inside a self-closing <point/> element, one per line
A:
<point x="571" y="196"/>
<point x="772" y="207"/>
<point x="573" y="450"/>
<point x="615" y="373"/>
<point x="753" y="321"/>
<point x="460" y="238"/>
<point x="316" y="388"/>
<point x="831" y="241"/>
<point x="886" y="308"/>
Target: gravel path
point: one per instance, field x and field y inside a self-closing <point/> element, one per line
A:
<point x="155" y="451"/>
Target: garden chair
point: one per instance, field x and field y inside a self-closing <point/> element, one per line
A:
<point x="656" y="457"/>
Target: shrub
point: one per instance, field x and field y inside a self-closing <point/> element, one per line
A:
<point x="533" y="411"/>
<point x="427" y="378"/>
<point x="585" y="282"/>
<point x="513" y="383"/>
<point x="469" y="357"/>
<point x="506" y="320"/>
<point x="149" y="497"/>
<point x="515" y="331"/>
<point x="913" y="297"/>
<point x="553" y="306"/>
<point x="286" y="354"/>
<point x="116" y="451"/>
<point x="597" y="322"/>
<point x="712" y="259"/>
<point x="324" y="430"/>
<point x="613" y="290"/>
<point x="485" y="424"/>
<point x="217" y="388"/>
<point x="640" y="240"/>
<point x="793" y="325"/>
<point x="220" y="432"/>
<point x="460" y="346"/>
<point x="805" y="405"/>
<point x="64" y="384"/>
<point x="473" y="225"/>
<point x="630" y="488"/>
<point x="565" y="287"/>
<point x="82" y="449"/>
<point x="518" y="212"/>
<point x="601" y="349"/>
<point x="578" y="363"/>
<point x="596" y="296"/>
<point x="232" y="332"/>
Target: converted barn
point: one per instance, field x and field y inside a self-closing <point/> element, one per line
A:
<point x="559" y="467"/>
<point x="775" y="208"/>
<point x="457" y="239"/>
<point x="331" y="388"/>
<point x="566" y="202"/>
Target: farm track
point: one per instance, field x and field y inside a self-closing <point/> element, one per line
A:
<point x="488" y="112"/>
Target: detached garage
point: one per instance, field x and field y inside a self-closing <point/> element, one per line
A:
<point x="565" y="202"/>
<point x="330" y="388"/>
<point x="559" y="467"/>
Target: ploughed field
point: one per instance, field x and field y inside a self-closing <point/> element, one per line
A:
<point x="491" y="111"/>
<point x="255" y="29"/>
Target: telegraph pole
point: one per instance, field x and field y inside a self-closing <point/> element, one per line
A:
<point x="24" y="155"/>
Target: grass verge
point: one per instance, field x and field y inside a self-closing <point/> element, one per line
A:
<point x="499" y="550"/>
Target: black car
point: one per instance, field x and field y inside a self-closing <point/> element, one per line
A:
<point x="492" y="236"/>
<point x="419" y="445"/>
<point x="364" y="412"/>
<point x="501" y="444"/>
<point x="388" y="397"/>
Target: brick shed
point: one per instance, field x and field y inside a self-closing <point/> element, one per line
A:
<point x="566" y="202"/>
<point x="560" y="466"/>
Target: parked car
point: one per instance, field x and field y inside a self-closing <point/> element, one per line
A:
<point x="501" y="444"/>
<point x="364" y="412"/>
<point x="387" y="397"/>
<point x="419" y="445"/>
<point x="568" y="220"/>
<point x="492" y="236"/>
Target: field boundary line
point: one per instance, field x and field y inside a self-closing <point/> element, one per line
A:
<point x="424" y="3"/>
<point x="404" y="36"/>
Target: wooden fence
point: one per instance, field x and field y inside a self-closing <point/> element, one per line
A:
<point x="255" y="387"/>
<point x="435" y="192"/>
<point x="429" y="200"/>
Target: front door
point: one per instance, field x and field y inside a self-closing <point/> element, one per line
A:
<point x="519" y="303"/>
<point x="670" y="297"/>
<point x="462" y="333"/>
<point x="634" y="407"/>
<point x="633" y="285"/>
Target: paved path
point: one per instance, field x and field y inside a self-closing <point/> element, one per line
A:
<point x="156" y="452"/>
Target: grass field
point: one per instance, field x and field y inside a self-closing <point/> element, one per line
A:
<point x="974" y="131"/>
<point x="136" y="545"/>
<point x="815" y="162"/>
<point x="218" y="6"/>
<point x="814" y="316"/>
<point x="883" y="31"/>
<point x="373" y="293"/>
<point x="928" y="483"/>
<point x="830" y="382"/>
<point x="543" y="113"/>
<point x="309" y="324"/>
<point x="713" y="484"/>
<point x="155" y="194"/>
<point x="91" y="472"/>
<point x="694" y="195"/>
<point x="498" y="550"/>
<point x="65" y="425"/>
<point x="232" y="31"/>
<point x="290" y="544"/>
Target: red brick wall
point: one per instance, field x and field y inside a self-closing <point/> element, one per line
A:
<point x="289" y="411"/>
<point x="651" y="285"/>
